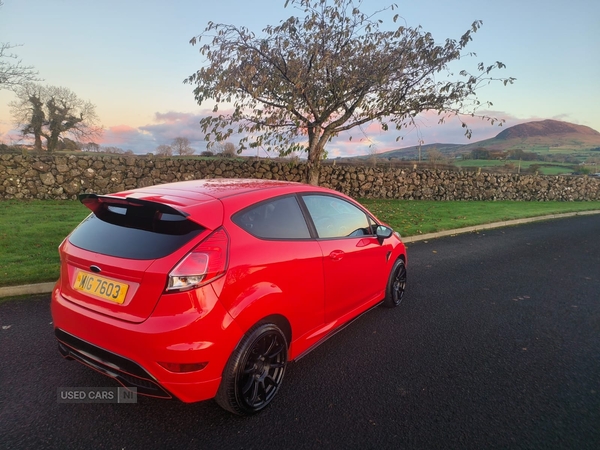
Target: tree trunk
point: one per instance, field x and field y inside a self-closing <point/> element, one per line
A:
<point x="52" y="141"/>
<point x="313" y="173"/>
<point x="38" y="118"/>
<point x="316" y="146"/>
<point x="38" y="142"/>
<point x="313" y="166"/>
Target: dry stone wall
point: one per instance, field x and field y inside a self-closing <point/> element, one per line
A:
<point x="27" y="176"/>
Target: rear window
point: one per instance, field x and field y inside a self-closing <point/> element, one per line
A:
<point x="134" y="232"/>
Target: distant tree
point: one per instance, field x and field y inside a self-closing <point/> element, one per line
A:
<point x="435" y="156"/>
<point x="90" y="147"/>
<point x="12" y="72"/>
<point x="372" y="152"/>
<point x="480" y="153"/>
<point x="523" y="155"/>
<point x="53" y="113"/>
<point x="181" y="146"/>
<point x="207" y="153"/>
<point x="68" y="144"/>
<point x="164" y="150"/>
<point x="326" y="72"/>
<point x="225" y="149"/>
<point x="112" y="149"/>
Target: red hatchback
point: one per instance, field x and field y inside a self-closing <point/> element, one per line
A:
<point x="208" y="288"/>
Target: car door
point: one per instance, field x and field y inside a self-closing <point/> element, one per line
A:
<point x="276" y="254"/>
<point x="353" y="258"/>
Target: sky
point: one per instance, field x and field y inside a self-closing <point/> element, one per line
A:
<point x="130" y="57"/>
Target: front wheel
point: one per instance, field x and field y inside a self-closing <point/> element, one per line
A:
<point x="254" y="371"/>
<point x="396" y="285"/>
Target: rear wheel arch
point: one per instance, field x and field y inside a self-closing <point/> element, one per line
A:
<point x="253" y="310"/>
<point x="276" y="319"/>
<point x="282" y="323"/>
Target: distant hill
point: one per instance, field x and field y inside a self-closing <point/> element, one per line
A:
<point x="538" y="136"/>
<point x="546" y="128"/>
<point x="542" y="136"/>
<point x="413" y="152"/>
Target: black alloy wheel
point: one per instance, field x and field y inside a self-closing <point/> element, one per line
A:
<point x="255" y="371"/>
<point x="396" y="285"/>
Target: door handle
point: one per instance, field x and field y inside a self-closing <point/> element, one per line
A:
<point x="336" y="255"/>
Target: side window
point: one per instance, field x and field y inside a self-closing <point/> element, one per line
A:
<point x="279" y="218"/>
<point x="334" y="217"/>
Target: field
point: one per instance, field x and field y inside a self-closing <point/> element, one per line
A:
<point x="31" y="231"/>
<point x="412" y="218"/>
<point x="492" y="165"/>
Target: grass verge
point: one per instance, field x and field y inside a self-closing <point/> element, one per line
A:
<point x="30" y="231"/>
<point x="411" y="218"/>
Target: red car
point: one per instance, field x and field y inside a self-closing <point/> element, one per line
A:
<point x="206" y="289"/>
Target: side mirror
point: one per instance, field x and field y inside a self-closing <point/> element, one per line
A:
<point x="383" y="233"/>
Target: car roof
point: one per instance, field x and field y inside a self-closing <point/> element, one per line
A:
<point x="188" y="193"/>
<point x="208" y="201"/>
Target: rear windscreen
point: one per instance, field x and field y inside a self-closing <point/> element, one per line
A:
<point x="134" y="232"/>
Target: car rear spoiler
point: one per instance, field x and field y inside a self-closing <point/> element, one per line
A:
<point x="97" y="203"/>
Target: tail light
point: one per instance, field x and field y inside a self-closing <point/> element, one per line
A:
<point x="204" y="264"/>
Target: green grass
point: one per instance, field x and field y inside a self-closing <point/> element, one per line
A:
<point x="480" y="163"/>
<point x="544" y="169"/>
<point x="555" y="170"/>
<point x="30" y="231"/>
<point x="412" y="218"/>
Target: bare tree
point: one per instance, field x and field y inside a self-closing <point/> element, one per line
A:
<point x="12" y="71"/>
<point x="225" y="149"/>
<point x="181" y="146"/>
<point x="68" y="144"/>
<point x="53" y="113"/>
<point x="372" y="152"/>
<point x="112" y="149"/>
<point x="435" y="156"/>
<point x="229" y="150"/>
<point x="91" y="147"/>
<point x="326" y="71"/>
<point x="164" y="150"/>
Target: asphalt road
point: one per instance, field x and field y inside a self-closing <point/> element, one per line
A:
<point x="497" y="345"/>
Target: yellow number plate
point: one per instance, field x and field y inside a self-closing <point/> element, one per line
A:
<point x="100" y="287"/>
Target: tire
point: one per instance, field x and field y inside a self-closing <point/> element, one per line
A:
<point x="254" y="371"/>
<point x="396" y="285"/>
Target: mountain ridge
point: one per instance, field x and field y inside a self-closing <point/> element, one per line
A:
<point x="529" y="136"/>
<point x="544" y="128"/>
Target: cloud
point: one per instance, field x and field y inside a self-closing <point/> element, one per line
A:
<point x="365" y="139"/>
<point x="166" y="127"/>
<point x="427" y="129"/>
<point x="172" y="124"/>
<point x="127" y="138"/>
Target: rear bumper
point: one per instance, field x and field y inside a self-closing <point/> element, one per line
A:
<point x="125" y="371"/>
<point x="180" y="330"/>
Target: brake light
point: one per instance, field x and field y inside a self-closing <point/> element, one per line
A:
<point x="204" y="264"/>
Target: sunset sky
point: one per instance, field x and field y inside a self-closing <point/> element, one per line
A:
<point x="129" y="58"/>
